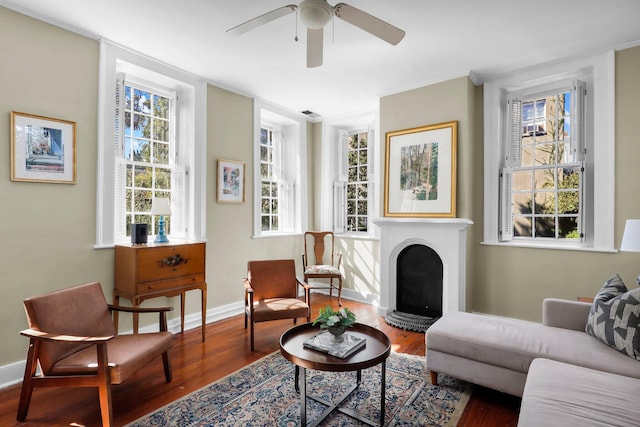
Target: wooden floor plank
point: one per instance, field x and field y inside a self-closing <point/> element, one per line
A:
<point x="226" y="349"/>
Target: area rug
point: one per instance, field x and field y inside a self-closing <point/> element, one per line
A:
<point x="263" y="394"/>
<point x="409" y="321"/>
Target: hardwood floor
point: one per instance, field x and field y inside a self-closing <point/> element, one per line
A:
<point x="196" y="364"/>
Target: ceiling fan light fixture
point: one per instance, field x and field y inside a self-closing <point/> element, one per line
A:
<point x="315" y="14"/>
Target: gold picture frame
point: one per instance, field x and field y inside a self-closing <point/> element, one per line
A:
<point x="420" y="171"/>
<point x="42" y="149"/>
<point x="231" y="181"/>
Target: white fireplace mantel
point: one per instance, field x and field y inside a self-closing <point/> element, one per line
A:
<point x="446" y="236"/>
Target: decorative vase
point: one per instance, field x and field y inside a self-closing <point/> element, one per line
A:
<point x="337" y="332"/>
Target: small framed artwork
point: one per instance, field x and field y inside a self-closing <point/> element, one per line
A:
<point x="42" y="149"/>
<point x="230" y="181"/>
<point x="420" y="172"/>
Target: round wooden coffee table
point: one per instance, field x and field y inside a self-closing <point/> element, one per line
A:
<point x="376" y="351"/>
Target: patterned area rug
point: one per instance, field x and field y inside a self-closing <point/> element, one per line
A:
<point x="262" y="394"/>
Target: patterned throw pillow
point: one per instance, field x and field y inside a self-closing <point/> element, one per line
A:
<point x="615" y="317"/>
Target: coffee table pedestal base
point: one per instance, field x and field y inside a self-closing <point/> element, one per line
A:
<point x="300" y="382"/>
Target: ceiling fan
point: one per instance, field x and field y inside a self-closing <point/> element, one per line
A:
<point x="315" y="14"/>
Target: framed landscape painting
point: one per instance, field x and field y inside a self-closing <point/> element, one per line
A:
<point x="42" y="149"/>
<point x="420" y="172"/>
<point x="230" y="181"/>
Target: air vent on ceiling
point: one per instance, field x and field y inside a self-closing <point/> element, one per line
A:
<point x="311" y="114"/>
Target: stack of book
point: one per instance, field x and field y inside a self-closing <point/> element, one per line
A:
<point x="325" y="343"/>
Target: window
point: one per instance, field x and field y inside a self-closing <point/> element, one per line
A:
<point x="352" y="191"/>
<point x="278" y="162"/>
<point x="542" y="183"/>
<point x="151" y="142"/>
<point x="549" y="156"/>
<point x="148" y="154"/>
<point x="269" y="168"/>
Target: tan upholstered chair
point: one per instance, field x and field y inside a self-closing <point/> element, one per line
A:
<point x="73" y="340"/>
<point x="320" y="261"/>
<point x="271" y="293"/>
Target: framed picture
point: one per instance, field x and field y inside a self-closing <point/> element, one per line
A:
<point x="420" y="172"/>
<point x="42" y="149"/>
<point x="230" y="181"/>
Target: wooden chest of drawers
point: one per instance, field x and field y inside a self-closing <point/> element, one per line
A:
<point x="155" y="270"/>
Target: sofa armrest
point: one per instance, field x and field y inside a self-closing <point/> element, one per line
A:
<point x="561" y="313"/>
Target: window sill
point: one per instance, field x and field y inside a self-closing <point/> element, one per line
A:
<point x="533" y="245"/>
<point x="266" y="236"/>
<point x="355" y="236"/>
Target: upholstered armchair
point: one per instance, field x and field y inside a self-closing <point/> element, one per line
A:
<point x="271" y="293"/>
<point x="72" y="338"/>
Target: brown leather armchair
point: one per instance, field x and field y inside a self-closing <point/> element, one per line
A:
<point x="73" y="339"/>
<point x="271" y="293"/>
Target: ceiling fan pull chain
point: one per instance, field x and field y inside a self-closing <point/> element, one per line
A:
<point x="296" y="39"/>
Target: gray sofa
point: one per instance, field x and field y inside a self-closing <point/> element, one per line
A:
<point x="497" y="352"/>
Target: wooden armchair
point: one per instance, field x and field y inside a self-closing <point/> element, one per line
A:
<point x="320" y="261"/>
<point x="271" y="293"/>
<point x="72" y="338"/>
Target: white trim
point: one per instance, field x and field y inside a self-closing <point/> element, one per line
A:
<point x="601" y="71"/>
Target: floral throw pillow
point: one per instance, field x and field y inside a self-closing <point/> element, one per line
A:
<point x="615" y="317"/>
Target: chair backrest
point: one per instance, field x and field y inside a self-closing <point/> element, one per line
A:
<point x="80" y="310"/>
<point x="320" y="244"/>
<point x="272" y="278"/>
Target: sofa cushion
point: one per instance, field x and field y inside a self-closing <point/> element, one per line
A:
<point x="614" y="317"/>
<point x="559" y="394"/>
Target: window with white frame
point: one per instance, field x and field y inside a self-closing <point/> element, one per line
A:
<point x="549" y="156"/>
<point x="279" y="155"/>
<point x="147" y="156"/>
<point x="352" y="191"/>
<point x="542" y="182"/>
<point x="270" y="166"/>
<point x="151" y="144"/>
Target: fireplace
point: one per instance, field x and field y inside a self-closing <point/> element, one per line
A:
<point x="419" y="281"/>
<point x="446" y="238"/>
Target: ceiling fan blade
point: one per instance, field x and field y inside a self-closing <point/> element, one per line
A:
<point x="314" y="47"/>
<point x="369" y="23"/>
<point x="262" y="19"/>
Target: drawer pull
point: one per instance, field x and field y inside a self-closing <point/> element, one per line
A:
<point x="173" y="261"/>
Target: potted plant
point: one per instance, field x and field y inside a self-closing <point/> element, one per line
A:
<point x="335" y="321"/>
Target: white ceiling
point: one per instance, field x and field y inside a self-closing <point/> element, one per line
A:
<point x="444" y="39"/>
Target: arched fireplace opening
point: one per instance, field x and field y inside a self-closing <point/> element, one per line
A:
<point x="419" y="284"/>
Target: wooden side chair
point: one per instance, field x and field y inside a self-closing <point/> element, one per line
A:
<point x="72" y="338"/>
<point x="271" y="293"/>
<point x="320" y="261"/>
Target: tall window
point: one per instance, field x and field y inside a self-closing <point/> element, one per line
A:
<point x="150" y="145"/>
<point x="352" y="191"/>
<point x="269" y="167"/>
<point x="542" y="183"/>
<point x="539" y="210"/>
<point x="280" y="151"/>
<point x="358" y="182"/>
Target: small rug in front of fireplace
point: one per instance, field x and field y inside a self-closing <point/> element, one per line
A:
<point x="409" y="321"/>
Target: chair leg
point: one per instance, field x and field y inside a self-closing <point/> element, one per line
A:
<point x="27" y="386"/>
<point x="340" y="291"/>
<point x="251" y="328"/>
<point x="166" y="362"/>
<point x="104" y="386"/>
